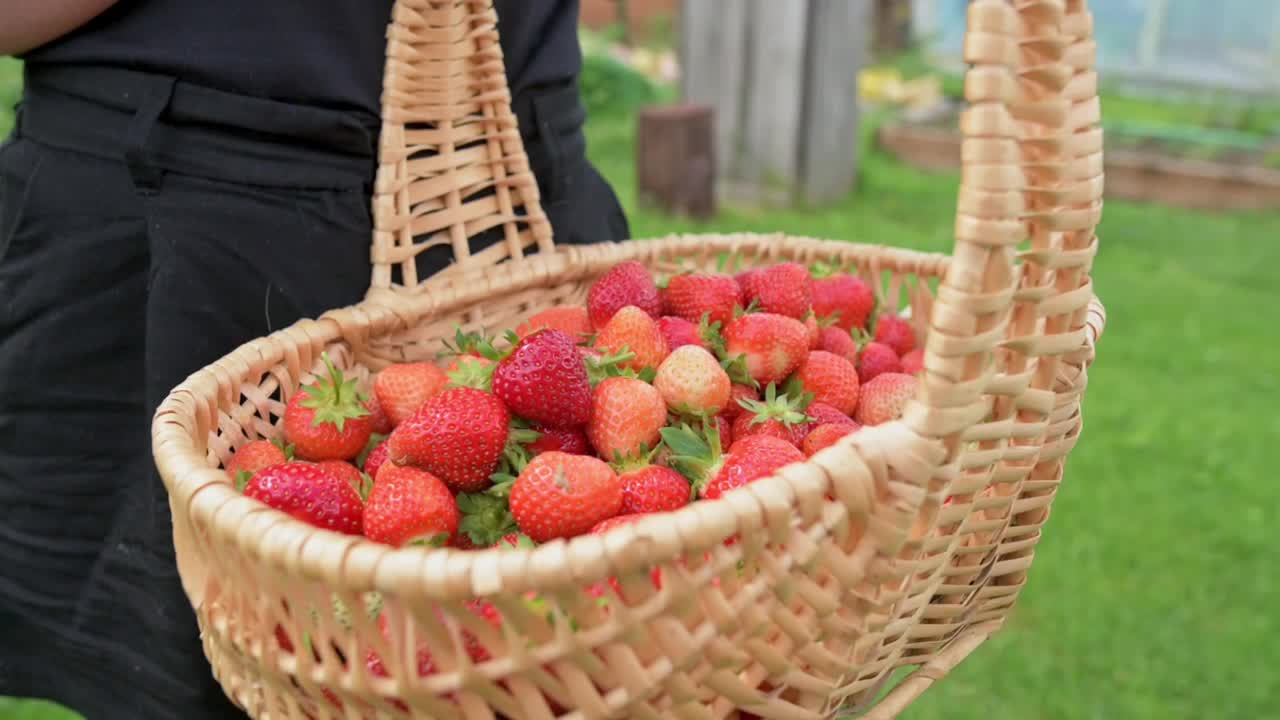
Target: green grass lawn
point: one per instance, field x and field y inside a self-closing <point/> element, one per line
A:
<point x="1154" y="592"/>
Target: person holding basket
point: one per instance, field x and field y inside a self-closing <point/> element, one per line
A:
<point x="180" y="165"/>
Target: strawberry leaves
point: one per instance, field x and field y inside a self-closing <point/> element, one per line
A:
<point x="335" y="399"/>
<point x="486" y="518"/>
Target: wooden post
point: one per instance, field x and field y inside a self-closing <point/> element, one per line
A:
<point x="675" y="159"/>
<point x="781" y="78"/>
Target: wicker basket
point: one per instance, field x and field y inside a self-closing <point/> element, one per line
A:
<point x="847" y="567"/>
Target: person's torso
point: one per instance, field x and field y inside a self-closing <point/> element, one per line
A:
<point x="328" y="53"/>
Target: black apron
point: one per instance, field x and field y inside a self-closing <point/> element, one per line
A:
<point x="148" y="226"/>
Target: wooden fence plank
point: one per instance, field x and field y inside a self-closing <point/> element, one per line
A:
<point x="837" y="47"/>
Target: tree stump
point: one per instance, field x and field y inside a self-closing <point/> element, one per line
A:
<point x="675" y="159"/>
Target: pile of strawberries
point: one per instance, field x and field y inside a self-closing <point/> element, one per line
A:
<point x="642" y="401"/>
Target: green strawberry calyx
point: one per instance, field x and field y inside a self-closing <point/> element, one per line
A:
<point x="242" y="480"/>
<point x="335" y="399"/>
<point x="822" y="269"/>
<point x="608" y="366"/>
<point x="472" y="373"/>
<point x="486" y="518"/>
<point x="374" y="440"/>
<point x="515" y="456"/>
<point x="464" y="343"/>
<point x="787" y="408"/>
<point x="643" y="458"/>
<point x="694" y="455"/>
<point x="711" y="334"/>
<point x="735" y="366"/>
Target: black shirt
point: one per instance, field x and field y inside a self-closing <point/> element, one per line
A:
<point x="327" y="53"/>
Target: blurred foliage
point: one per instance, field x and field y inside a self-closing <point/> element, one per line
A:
<point x="610" y="87"/>
<point x="10" y="91"/>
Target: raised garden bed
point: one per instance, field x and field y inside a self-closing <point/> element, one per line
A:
<point x="1154" y="170"/>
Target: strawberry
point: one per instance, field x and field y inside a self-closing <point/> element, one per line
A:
<point x="824" y="436"/>
<point x="348" y="473"/>
<point x="382" y="424"/>
<point x="815" y="331"/>
<point x="824" y="414"/>
<point x="749" y="285"/>
<point x="679" y="332"/>
<point x="470" y="371"/>
<point x="572" y="320"/>
<point x="626" y="417"/>
<point x="558" y="495"/>
<point x="402" y="388"/>
<point x="784" y="289"/>
<point x="693" y="296"/>
<point x="569" y="440"/>
<point x="632" y="330"/>
<point x="375" y="458"/>
<point x="772" y="346"/>
<point x="544" y="380"/>
<point x="409" y="506"/>
<point x="830" y="379"/>
<point x="895" y="331"/>
<point x="327" y="420"/>
<point x="605" y="526"/>
<point x="738" y="393"/>
<point x="458" y="435"/>
<point x="845" y="300"/>
<point x="692" y="382"/>
<point x="913" y="362"/>
<point x="252" y="457"/>
<point x="884" y="398"/>
<point x="875" y="359"/>
<point x="309" y="493"/>
<point x="750" y="459"/>
<point x="838" y="342"/>
<point x="779" y="416"/>
<point x="714" y="473"/>
<point x="627" y="283"/>
<point x="651" y="488"/>
<point x="724" y="427"/>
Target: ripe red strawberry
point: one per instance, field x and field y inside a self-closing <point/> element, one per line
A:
<point x="884" y="398"/>
<point x="376" y="457"/>
<point x="824" y="414"/>
<point x="253" y="457"/>
<point x="558" y="495"/>
<point x="409" y="506"/>
<point x="458" y="435"/>
<point x="875" y="359"/>
<point x="348" y="473"/>
<point x="913" y="362"/>
<point x="724" y="428"/>
<point x="895" y="331"/>
<point x="402" y="388"/>
<point x="738" y="393"/>
<point x="773" y="345"/>
<point x="748" y="285"/>
<point x="627" y="283"/>
<point x="626" y="417"/>
<point x="631" y="329"/>
<point x="785" y="289"/>
<point x="846" y="300"/>
<point x="679" y="332"/>
<point x="838" y="342"/>
<point x="309" y="493"/>
<point x="327" y="420"/>
<point x="544" y="380"/>
<point x="569" y="440"/>
<point x="750" y="459"/>
<point x="831" y="379"/>
<point x="692" y="382"/>
<point x="824" y="436"/>
<point x="694" y="296"/>
<point x="605" y="526"/>
<point x="572" y="320"/>
<point x="652" y="488"/>
<point x="815" y="331"/>
<point x="778" y="416"/>
<point x="382" y="424"/>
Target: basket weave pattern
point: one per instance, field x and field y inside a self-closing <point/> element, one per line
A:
<point x="794" y="597"/>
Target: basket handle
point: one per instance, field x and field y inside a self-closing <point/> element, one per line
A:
<point x="451" y="163"/>
<point x="1030" y="191"/>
